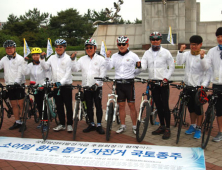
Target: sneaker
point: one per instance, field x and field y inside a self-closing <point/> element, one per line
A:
<point x="15" y="126"/>
<point x="166" y="134"/>
<point x="22" y="126"/>
<point x="160" y="130"/>
<point x="190" y="130"/>
<point x="218" y="137"/>
<point x="39" y="126"/>
<point x="89" y="129"/>
<point x="134" y="131"/>
<point x="69" y="128"/>
<point x="59" y="127"/>
<point x="121" y="129"/>
<point x="100" y="130"/>
<point x="197" y="134"/>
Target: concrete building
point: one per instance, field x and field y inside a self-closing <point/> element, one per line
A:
<point x="182" y="15"/>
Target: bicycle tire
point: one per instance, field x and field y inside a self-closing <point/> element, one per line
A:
<point x="24" y="115"/>
<point x="35" y="112"/>
<point x="181" y="113"/>
<point x="207" y="126"/>
<point x="176" y="111"/>
<point x="76" y="119"/>
<point x="1" y="116"/>
<point x="142" y="125"/>
<point x="109" y="121"/>
<point x="117" y="116"/>
<point x="45" y="123"/>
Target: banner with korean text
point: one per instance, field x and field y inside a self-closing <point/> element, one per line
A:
<point x="107" y="155"/>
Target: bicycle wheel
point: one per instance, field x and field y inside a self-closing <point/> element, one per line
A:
<point x="24" y="115"/>
<point x="35" y="112"/>
<point x="181" y="113"/>
<point x="76" y="119"/>
<point x="153" y="114"/>
<point x="45" y="121"/>
<point x="109" y="121"/>
<point x="142" y="124"/>
<point x="176" y="111"/>
<point x="207" y="126"/>
<point x="1" y="116"/>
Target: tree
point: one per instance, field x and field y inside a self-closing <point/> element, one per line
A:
<point x="70" y="25"/>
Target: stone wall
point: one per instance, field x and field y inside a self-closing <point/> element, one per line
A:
<point x="183" y="16"/>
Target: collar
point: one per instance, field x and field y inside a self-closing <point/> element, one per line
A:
<point x="220" y="46"/>
<point x="61" y="56"/>
<point x="11" y="56"/>
<point x="93" y="55"/>
<point x="35" y="62"/>
<point x="122" y="54"/>
<point x="155" y="47"/>
<point x="195" y="52"/>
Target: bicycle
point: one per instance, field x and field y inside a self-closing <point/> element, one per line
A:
<point x="180" y="108"/>
<point x="209" y="116"/>
<point x="112" y="107"/>
<point x="28" y="108"/>
<point x="3" y="97"/>
<point x="146" y="113"/>
<point x="80" y="108"/>
<point x="47" y="111"/>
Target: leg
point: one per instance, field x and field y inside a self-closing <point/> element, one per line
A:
<point x="60" y="107"/>
<point x="67" y="98"/>
<point x="122" y="112"/>
<point x="133" y="113"/>
<point x="219" y="122"/>
<point x="98" y="103"/>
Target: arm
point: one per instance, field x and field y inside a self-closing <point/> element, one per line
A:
<point x="68" y="72"/>
<point x="25" y="68"/>
<point x="75" y="65"/>
<point x="180" y="57"/>
<point x="102" y="71"/>
<point x="144" y="62"/>
<point x="170" y="63"/>
<point x="207" y="77"/>
<point x="108" y="61"/>
<point x="45" y="64"/>
<point x="1" y="64"/>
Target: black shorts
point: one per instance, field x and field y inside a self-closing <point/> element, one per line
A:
<point x="218" y="105"/>
<point x="125" y="91"/>
<point x="16" y="94"/>
<point x="192" y="106"/>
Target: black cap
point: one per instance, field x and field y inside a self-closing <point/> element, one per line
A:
<point x="219" y="31"/>
<point x="196" y="39"/>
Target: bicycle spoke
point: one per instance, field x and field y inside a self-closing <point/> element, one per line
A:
<point x="109" y="121"/>
<point x="76" y="119"/>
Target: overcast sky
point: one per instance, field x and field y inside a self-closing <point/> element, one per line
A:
<point x="131" y="9"/>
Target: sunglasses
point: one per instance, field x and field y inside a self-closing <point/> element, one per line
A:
<point x="155" y="39"/>
<point x="58" y="47"/>
<point x="88" y="48"/>
<point x="123" y="44"/>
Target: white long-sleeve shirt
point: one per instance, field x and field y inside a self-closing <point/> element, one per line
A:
<point x="36" y="72"/>
<point x="90" y="68"/>
<point x="214" y="62"/>
<point x="124" y="65"/>
<point x="12" y="69"/>
<point x="195" y="73"/>
<point x="61" y="68"/>
<point x="157" y="63"/>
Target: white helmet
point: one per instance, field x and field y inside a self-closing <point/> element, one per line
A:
<point x="122" y="39"/>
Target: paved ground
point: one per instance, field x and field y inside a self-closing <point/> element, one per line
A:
<point x="213" y="151"/>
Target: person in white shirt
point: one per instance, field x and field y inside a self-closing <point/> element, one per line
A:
<point x="124" y="62"/>
<point x="214" y="61"/>
<point x="12" y="65"/>
<point x="157" y="60"/>
<point x="38" y="75"/>
<point x="60" y="64"/>
<point x="195" y="75"/>
<point x="91" y="65"/>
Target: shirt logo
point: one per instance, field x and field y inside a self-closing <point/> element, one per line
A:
<point x="127" y="60"/>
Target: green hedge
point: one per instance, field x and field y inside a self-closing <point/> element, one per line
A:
<point x="19" y="50"/>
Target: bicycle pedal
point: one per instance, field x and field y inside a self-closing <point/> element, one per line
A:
<point x="9" y="115"/>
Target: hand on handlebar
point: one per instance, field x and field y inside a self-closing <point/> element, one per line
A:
<point x="94" y="87"/>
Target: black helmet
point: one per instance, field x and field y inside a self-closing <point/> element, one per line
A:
<point x="201" y="97"/>
<point x="9" y="43"/>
